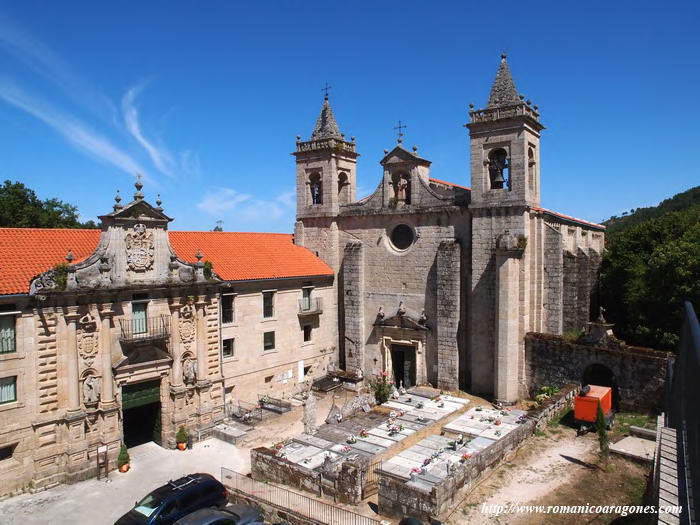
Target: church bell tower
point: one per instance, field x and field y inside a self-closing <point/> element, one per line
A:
<point x="325" y="180"/>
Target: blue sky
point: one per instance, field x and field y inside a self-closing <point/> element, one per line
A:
<point x="206" y="98"/>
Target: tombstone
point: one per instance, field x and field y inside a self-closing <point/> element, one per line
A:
<point x="334" y="415"/>
<point x="310" y="413"/>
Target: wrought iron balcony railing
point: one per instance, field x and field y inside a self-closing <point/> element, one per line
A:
<point x="138" y="329"/>
<point x="310" y="306"/>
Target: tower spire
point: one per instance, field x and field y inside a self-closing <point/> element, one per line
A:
<point x="503" y="92"/>
<point x="326" y="126"/>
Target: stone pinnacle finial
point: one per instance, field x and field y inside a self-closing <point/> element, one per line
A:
<point x="70" y="256"/>
<point x="326" y="127"/>
<point x="199" y="255"/>
<point x="158" y="203"/>
<point x="503" y="92"/>
<point x="117" y="200"/>
<point x="138" y="185"/>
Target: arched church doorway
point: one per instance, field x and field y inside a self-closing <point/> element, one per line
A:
<point x="601" y="375"/>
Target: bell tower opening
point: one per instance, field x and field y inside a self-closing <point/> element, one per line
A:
<point x="499" y="169"/>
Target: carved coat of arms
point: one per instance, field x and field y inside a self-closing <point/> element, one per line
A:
<point x="140" y="249"/>
<point x="186" y="327"/>
<point x="87" y="338"/>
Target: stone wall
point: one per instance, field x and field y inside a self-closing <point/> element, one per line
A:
<point x="639" y="373"/>
<point x="353" y="269"/>
<point x="344" y="485"/>
<point x="397" y="499"/>
<point x="448" y="314"/>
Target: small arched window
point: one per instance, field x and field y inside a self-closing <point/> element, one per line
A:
<point x="531" y="168"/>
<point x="499" y="169"/>
<point x="316" y="188"/>
<point x="343" y="188"/>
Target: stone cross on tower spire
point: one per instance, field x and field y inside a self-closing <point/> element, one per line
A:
<point x="326" y="126"/>
<point x="503" y="92"/>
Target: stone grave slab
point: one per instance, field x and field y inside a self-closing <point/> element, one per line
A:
<point x="409" y="422"/>
<point x="412" y="455"/>
<point x="480" y="443"/>
<point x="497" y="432"/>
<point x="428" y="478"/>
<point x="366" y="447"/>
<point x="453" y="399"/>
<point x="429" y="416"/>
<point x="424" y="392"/>
<point x="396" y="404"/>
<point x="296" y="456"/>
<point x="316" y="461"/>
<point x="405" y="462"/>
<point x="313" y="441"/>
<point x="375" y="440"/>
<point x="379" y="432"/>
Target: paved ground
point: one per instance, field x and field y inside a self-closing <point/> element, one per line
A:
<point x="101" y="502"/>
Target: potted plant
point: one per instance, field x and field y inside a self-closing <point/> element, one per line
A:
<point x="123" y="459"/>
<point x="181" y="438"/>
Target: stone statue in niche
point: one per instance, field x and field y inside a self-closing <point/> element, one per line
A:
<point x="189" y="371"/>
<point x="91" y="390"/>
<point x="402" y="189"/>
<point x="140" y="249"/>
<point x="315" y="187"/>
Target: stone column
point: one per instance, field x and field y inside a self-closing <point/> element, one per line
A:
<point x="353" y="312"/>
<point x="507" y="329"/>
<point x="448" y="313"/>
<point x="71" y="316"/>
<point x="106" y="313"/>
<point x="202" y="361"/>
<point x="176" y="349"/>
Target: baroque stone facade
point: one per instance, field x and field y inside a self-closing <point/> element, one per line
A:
<point x="438" y="283"/>
<point x="133" y="339"/>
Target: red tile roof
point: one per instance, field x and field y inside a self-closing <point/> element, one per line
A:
<point x="569" y="218"/>
<point x="449" y="184"/>
<point x="27" y="252"/>
<point x="245" y="256"/>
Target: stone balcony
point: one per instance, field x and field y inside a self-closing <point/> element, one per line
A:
<point x="312" y="306"/>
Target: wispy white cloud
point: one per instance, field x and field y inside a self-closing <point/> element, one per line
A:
<point x="159" y="154"/>
<point x="241" y="208"/>
<point x="72" y="129"/>
<point x="21" y="45"/>
<point x="190" y="164"/>
<point x="219" y="200"/>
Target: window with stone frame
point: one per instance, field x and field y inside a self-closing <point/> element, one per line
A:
<point x="268" y="341"/>
<point x="268" y="304"/>
<point x="308" y="330"/>
<point x="227" y="308"/>
<point x="8" y="336"/>
<point x="228" y="347"/>
<point x="306" y="299"/>
<point x="8" y="389"/>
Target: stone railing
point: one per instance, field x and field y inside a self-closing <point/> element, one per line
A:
<point x="325" y="144"/>
<point x="491" y="114"/>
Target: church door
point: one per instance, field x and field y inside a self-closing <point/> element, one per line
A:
<point x="403" y="358"/>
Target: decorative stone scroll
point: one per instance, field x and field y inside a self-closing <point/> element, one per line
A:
<point x="87" y="339"/>
<point x="140" y="249"/>
<point x="187" y="326"/>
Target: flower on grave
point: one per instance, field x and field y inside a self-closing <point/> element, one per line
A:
<point x="504" y="412"/>
<point x="351" y="439"/>
<point x="281" y="453"/>
<point x="420" y="404"/>
<point x="426" y="461"/>
<point x="420" y="418"/>
<point x="460" y="439"/>
<point x="402" y="413"/>
<point x="394" y="429"/>
<point x="364" y="433"/>
<point x="497" y="422"/>
<point x="265" y="399"/>
<point x="390" y="422"/>
<point x="346" y="448"/>
<point x="497" y="432"/>
<point x="465" y="457"/>
<point x="417" y="470"/>
<point x="279" y="445"/>
<point x="392" y="415"/>
<point x="401" y="427"/>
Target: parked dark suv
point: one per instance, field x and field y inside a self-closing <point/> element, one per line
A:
<point x="175" y="499"/>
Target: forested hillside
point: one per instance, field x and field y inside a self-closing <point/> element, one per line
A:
<point x="651" y="265"/>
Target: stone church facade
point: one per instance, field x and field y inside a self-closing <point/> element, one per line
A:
<point x="131" y="331"/>
<point x="438" y="283"/>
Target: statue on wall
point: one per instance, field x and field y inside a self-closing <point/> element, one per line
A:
<point x="402" y="189"/>
<point x="140" y="249"/>
<point x="189" y="371"/>
<point x="91" y="390"/>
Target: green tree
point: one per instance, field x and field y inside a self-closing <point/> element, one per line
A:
<point x="21" y="208"/>
<point x="647" y="272"/>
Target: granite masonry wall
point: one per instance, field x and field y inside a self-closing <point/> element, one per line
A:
<point x="639" y="373"/>
<point x="448" y="314"/>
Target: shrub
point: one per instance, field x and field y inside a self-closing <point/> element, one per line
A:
<point x="181" y="436"/>
<point x="123" y="457"/>
<point x="60" y="276"/>
<point x="208" y="270"/>
<point x="382" y="387"/>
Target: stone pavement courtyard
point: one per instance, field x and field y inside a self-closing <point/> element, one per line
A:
<point x="103" y="502"/>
